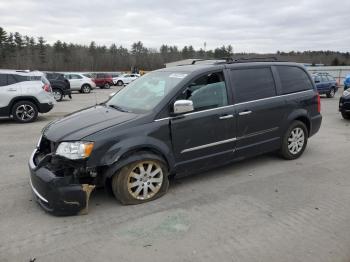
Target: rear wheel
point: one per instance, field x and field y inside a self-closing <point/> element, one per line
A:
<point x="141" y="181"/>
<point x="331" y="93"/>
<point x="24" y="112"/>
<point x="294" y="141"/>
<point x="345" y="115"/>
<point x="85" y="89"/>
<point x="107" y="86"/>
<point x="57" y="94"/>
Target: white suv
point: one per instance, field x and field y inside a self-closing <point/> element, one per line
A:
<point x="125" y="79"/>
<point x="79" y="82"/>
<point x="24" y="94"/>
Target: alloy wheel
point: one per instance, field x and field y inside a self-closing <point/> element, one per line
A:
<point x="86" y="89"/>
<point x="145" y="180"/>
<point x="25" y="112"/>
<point x="296" y="140"/>
<point x="57" y="95"/>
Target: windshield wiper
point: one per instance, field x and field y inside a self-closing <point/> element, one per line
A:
<point x="119" y="108"/>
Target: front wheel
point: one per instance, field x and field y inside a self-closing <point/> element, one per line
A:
<point x="141" y="181"/>
<point x="294" y="141"/>
<point x="345" y="115"/>
<point x="120" y="83"/>
<point x="331" y="93"/>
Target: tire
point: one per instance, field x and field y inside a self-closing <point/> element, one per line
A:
<point x="58" y="94"/>
<point x="107" y="86"/>
<point x="294" y="141"/>
<point x="345" y="115"/>
<point x="331" y="93"/>
<point x="85" y="89"/>
<point x="24" y="112"/>
<point x="131" y="188"/>
<point x="120" y="83"/>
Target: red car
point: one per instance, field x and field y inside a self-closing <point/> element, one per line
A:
<point x="103" y="80"/>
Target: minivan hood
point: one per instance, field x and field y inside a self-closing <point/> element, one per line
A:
<point x="82" y="123"/>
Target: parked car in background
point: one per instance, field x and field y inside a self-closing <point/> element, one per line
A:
<point x="24" y="94"/>
<point x="59" y="84"/>
<point x="347" y="82"/>
<point x="103" y="80"/>
<point x="125" y="79"/>
<point x="344" y="104"/>
<point x="114" y="77"/>
<point x="171" y="121"/>
<point x="326" y="84"/>
<point x="79" y="82"/>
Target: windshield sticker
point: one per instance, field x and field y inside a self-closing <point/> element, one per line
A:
<point x="177" y="75"/>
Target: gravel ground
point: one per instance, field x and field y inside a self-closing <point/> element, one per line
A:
<point x="261" y="209"/>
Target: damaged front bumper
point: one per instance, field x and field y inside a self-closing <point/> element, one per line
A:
<point x="58" y="195"/>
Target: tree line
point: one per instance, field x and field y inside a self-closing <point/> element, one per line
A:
<point x="26" y="52"/>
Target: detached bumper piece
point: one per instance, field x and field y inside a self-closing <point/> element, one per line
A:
<point x="58" y="195"/>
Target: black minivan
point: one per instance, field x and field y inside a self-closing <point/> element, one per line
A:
<point x="177" y="120"/>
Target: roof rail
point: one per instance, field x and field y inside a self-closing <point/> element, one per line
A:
<point x="231" y="60"/>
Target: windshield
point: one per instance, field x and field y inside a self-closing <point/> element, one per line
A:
<point x="144" y="94"/>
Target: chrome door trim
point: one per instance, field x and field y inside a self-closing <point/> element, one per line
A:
<point x="244" y="113"/>
<point x="225" y="117"/>
<point x="208" y="145"/>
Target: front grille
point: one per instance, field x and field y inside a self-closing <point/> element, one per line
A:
<point x="46" y="146"/>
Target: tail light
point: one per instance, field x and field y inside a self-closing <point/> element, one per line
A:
<point x="47" y="88"/>
<point x="93" y="80"/>
<point x="318" y="103"/>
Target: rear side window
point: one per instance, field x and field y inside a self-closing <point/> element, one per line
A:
<point x="293" y="79"/>
<point x="252" y="84"/>
<point x="11" y="80"/>
<point x="3" y="80"/>
<point x="20" y="78"/>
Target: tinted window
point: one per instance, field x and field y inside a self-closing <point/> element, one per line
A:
<point x="293" y="79"/>
<point x="252" y="84"/>
<point x="3" y="80"/>
<point x="11" y="80"/>
<point x="324" y="78"/>
<point x="330" y="78"/>
<point x="75" y="77"/>
<point x="317" y="79"/>
<point x="20" y="78"/>
<point x="207" y="92"/>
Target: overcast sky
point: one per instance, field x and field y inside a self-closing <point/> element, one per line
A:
<point x="249" y="25"/>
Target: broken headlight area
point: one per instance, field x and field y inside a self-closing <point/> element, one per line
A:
<point x="62" y="186"/>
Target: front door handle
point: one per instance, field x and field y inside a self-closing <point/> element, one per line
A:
<point x="12" y="89"/>
<point x="225" y="117"/>
<point x="245" y="113"/>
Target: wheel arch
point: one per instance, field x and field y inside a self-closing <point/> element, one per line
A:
<point x="301" y="116"/>
<point x="23" y="98"/>
<point x="131" y="156"/>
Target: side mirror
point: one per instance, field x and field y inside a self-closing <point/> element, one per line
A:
<point x="183" y="106"/>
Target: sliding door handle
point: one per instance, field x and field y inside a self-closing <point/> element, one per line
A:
<point x="225" y="117"/>
<point x="245" y="113"/>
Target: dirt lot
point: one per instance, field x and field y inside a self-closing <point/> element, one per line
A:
<point x="262" y="209"/>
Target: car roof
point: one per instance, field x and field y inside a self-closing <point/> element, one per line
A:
<point x="21" y="72"/>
